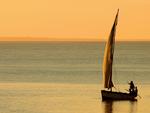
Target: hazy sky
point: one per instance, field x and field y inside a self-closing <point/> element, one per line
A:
<point x="73" y="19"/>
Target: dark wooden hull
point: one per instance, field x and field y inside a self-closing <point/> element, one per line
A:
<point x="111" y="95"/>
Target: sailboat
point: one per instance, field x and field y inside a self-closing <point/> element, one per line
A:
<point x="108" y="93"/>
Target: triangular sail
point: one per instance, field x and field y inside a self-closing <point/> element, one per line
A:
<point x="108" y="56"/>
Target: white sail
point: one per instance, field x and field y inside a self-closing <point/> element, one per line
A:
<point x="108" y="56"/>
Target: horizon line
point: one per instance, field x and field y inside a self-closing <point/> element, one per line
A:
<point x="65" y="39"/>
<point x="72" y="41"/>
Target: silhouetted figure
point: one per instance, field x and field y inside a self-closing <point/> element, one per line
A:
<point x="131" y="85"/>
<point x="133" y="90"/>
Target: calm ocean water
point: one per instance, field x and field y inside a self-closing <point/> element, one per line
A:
<point x="66" y="77"/>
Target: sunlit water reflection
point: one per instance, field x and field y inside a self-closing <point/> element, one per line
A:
<point x="65" y="98"/>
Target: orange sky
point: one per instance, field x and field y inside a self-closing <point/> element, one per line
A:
<point x="73" y="19"/>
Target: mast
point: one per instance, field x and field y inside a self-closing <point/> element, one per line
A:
<point x="108" y="56"/>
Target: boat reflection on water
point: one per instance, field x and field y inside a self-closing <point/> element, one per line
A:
<point x="108" y="106"/>
<point x="133" y="106"/>
<point x="119" y="106"/>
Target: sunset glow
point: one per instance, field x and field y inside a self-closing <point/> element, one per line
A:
<point x="73" y="20"/>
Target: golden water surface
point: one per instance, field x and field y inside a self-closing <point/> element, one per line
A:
<point x="65" y="98"/>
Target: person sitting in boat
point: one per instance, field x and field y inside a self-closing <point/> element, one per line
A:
<point x="133" y="90"/>
<point x="131" y="85"/>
